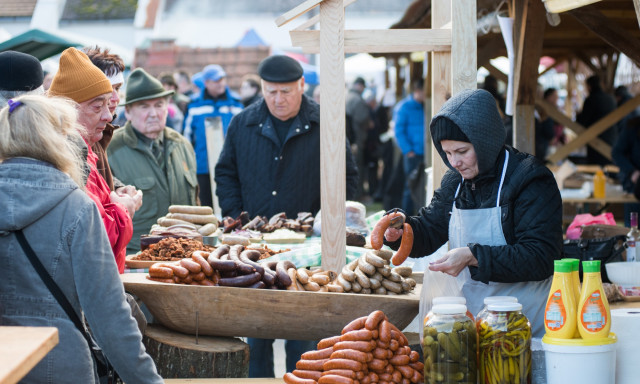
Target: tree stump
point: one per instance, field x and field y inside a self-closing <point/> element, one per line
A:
<point x="178" y="356"/>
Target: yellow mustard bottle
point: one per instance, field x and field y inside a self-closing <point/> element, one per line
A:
<point x="594" y="315"/>
<point x="599" y="185"/>
<point x="560" y="311"/>
<point x="575" y="278"/>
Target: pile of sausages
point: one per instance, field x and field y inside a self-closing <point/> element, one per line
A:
<point x="315" y="280"/>
<point x="369" y="350"/>
<point x="200" y="218"/>
<point x="372" y="274"/>
<point x="195" y="271"/>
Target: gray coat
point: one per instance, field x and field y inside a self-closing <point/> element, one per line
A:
<point x="64" y="228"/>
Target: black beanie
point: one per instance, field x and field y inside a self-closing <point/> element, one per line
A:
<point x="19" y="72"/>
<point x="445" y="129"/>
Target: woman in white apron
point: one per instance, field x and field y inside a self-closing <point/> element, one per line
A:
<point x="499" y="209"/>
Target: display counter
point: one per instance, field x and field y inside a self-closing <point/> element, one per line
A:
<point x="22" y="348"/>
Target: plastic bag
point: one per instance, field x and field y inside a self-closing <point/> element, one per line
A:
<point x="355" y="218"/>
<point x="575" y="228"/>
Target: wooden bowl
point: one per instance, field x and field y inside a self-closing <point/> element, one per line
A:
<point x="263" y="313"/>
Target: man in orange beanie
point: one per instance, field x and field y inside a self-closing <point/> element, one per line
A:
<point x="78" y="79"/>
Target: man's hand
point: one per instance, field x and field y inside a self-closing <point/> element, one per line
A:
<point x="634" y="176"/>
<point x="454" y="261"/>
<point x="130" y="190"/>
<point x="127" y="201"/>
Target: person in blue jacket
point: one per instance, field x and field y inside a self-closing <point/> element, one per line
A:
<point x="409" y="129"/>
<point x="215" y="100"/>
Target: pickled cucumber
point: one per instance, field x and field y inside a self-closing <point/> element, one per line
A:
<point x="450" y="352"/>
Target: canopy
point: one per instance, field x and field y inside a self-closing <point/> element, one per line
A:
<point x="38" y="43"/>
<point x="251" y="39"/>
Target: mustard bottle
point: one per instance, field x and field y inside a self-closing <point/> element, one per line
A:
<point x="575" y="278"/>
<point x="599" y="185"/>
<point x="560" y="311"/>
<point x="594" y="315"/>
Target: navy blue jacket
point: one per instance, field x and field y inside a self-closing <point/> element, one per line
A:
<point x="256" y="174"/>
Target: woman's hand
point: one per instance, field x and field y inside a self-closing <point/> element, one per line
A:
<point x="454" y="261"/>
<point x="394" y="232"/>
<point x="130" y="190"/>
<point x="127" y="201"/>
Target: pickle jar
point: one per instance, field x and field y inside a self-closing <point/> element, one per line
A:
<point x="504" y="336"/>
<point x="491" y="300"/>
<point x="449" y="346"/>
<point x="447" y="300"/>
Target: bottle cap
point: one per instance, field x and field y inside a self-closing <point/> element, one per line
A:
<point x="575" y="263"/>
<point x="449" y="309"/>
<point x="504" y="307"/>
<point x="500" y="299"/>
<point x="562" y="266"/>
<point x="591" y="266"/>
<point x="449" y="300"/>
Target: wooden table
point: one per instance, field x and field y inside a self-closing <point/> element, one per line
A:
<point x="21" y="348"/>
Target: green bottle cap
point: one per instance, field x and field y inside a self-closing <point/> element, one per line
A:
<point x="575" y="263"/>
<point x="591" y="266"/>
<point x="561" y="266"/>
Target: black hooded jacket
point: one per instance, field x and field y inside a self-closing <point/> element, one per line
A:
<point x="530" y="200"/>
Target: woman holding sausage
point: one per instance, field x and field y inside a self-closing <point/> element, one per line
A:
<point x="41" y="194"/>
<point x="499" y="209"/>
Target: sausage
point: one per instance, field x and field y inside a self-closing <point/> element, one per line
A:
<point x="400" y="360"/>
<point x="328" y="342"/>
<point x="351" y="354"/>
<point x="365" y="267"/>
<point x="335" y="379"/>
<point x="234" y="252"/>
<point x="207" y="283"/>
<point x="417" y="377"/>
<point x="341" y="372"/>
<point x="377" y="235"/>
<point x="311" y="286"/>
<point x="269" y="277"/>
<point x="311" y="365"/>
<point x="194" y="218"/>
<point x="191" y="209"/>
<point x="403" y="271"/>
<point x="418" y="365"/>
<point x="304" y="374"/>
<point x="198" y="276"/>
<point x="281" y="272"/>
<point x="334" y="288"/>
<point x="392" y="286"/>
<point x="222" y="265"/>
<point x="346" y="286"/>
<point x="198" y="257"/>
<point x="414" y="356"/>
<point x="290" y="378"/>
<point x="405" y="245"/>
<point x="160" y="272"/>
<point x="257" y="285"/>
<point x="234" y="240"/>
<point x="374" y="319"/>
<point x="295" y="285"/>
<point x="362" y="279"/>
<point x="191" y="265"/>
<point x="385" y="331"/>
<point x="355" y="287"/>
<point x="320" y="278"/>
<point x="303" y="275"/>
<point x="347" y="273"/>
<point x="208" y="229"/>
<point x="363" y="346"/>
<point x="243" y="257"/>
<point x="239" y="281"/>
<point x="394" y="344"/>
<point x="354" y="325"/>
<point x="384" y="253"/>
<point x="406" y="371"/>
<point x="342" y="364"/>
<point x="160" y="280"/>
<point x="398" y="335"/>
<point x="357" y="335"/>
<point x="317" y="355"/>
<point x="382" y="353"/>
<point x="168" y="222"/>
<point x="221" y="250"/>
<point x="377" y="365"/>
<point x="374" y="260"/>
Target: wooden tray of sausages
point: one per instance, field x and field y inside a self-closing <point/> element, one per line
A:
<point x="263" y="313"/>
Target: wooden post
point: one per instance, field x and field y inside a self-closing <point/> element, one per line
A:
<point x="332" y="135"/>
<point x="464" y="45"/>
<point x="215" y="140"/>
<point x="636" y="4"/>
<point x="571" y="86"/>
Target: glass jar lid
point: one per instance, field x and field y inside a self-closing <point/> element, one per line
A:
<point x="449" y="309"/>
<point x="504" y="307"/>
<point x="500" y="299"/>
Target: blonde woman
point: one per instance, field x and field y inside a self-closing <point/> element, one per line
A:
<point x="40" y="174"/>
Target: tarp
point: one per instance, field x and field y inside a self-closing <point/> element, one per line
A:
<point x="38" y="43"/>
<point x="251" y="39"/>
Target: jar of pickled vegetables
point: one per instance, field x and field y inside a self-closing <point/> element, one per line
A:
<point x="449" y="346"/>
<point x="504" y="336"/>
<point x="494" y="299"/>
<point x="448" y="300"/>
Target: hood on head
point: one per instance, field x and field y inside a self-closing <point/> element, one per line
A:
<point x="475" y="113"/>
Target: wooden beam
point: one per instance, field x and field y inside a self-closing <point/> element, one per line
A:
<point x="464" y="45"/>
<point x="491" y="50"/>
<point x="611" y="33"/>
<point x="636" y="5"/>
<point x="597" y="128"/>
<point x="379" y="41"/>
<point x="495" y="72"/>
<point x="314" y="20"/>
<point x="332" y="136"/>
<point x="552" y="111"/>
<point x="299" y="10"/>
<point x="586" y="59"/>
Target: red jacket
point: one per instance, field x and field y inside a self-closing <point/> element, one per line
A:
<point x="114" y="216"/>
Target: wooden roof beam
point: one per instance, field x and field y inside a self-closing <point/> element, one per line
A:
<point x="636" y="4"/>
<point x="384" y="40"/>
<point x="299" y="10"/>
<point x="315" y="19"/>
<point x="611" y="33"/>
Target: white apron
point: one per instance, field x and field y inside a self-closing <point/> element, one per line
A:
<point x="484" y="226"/>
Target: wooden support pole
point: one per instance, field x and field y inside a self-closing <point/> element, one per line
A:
<point x="464" y="45"/>
<point x="314" y="20"/>
<point x="297" y="11"/>
<point x="332" y="135"/>
<point x="636" y="5"/>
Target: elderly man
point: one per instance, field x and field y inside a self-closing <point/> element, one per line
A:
<point x="215" y="100"/>
<point x="154" y="158"/>
<point x="78" y="79"/>
<point x="19" y="74"/>
<point x="270" y="163"/>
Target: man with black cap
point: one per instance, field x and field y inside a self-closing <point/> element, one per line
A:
<point x="20" y="74"/>
<point x="154" y="158"/>
<point x="270" y="163"/>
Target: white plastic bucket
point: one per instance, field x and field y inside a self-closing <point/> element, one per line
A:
<point x="584" y="364"/>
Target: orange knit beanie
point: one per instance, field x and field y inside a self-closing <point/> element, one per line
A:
<point x="77" y="78"/>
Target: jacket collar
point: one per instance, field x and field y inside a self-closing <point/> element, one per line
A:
<point x="131" y="140"/>
<point x="308" y="115"/>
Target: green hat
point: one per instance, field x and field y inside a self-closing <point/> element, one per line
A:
<point x="143" y="86"/>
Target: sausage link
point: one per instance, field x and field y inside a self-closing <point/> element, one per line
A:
<point x="159" y="280"/>
<point x="311" y="365"/>
<point x="222" y="265"/>
<point x="290" y="378"/>
<point x="342" y="364"/>
<point x="407" y="371"/>
<point x="243" y="257"/>
<point x="328" y="342"/>
<point x="351" y="354"/>
<point x="377" y="235"/>
<point x="405" y="245"/>
<point x="400" y="360"/>
<point x="354" y="325"/>
<point x="160" y="272"/>
<point x="198" y="276"/>
<point x="239" y="281"/>
<point x="304" y="374"/>
<point x="357" y="335"/>
<point x="377" y="365"/>
<point x="221" y="250"/>
<point x="191" y="265"/>
<point x="335" y="379"/>
<point x="341" y="372"/>
<point x="281" y="272"/>
<point x="199" y="258"/>
<point x="207" y="283"/>
<point x="324" y="353"/>
<point x="374" y="319"/>
<point x="385" y="331"/>
<point x="363" y="346"/>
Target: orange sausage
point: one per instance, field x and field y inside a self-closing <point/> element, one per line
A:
<point x="160" y="272"/>
<point x="340" y="372"/>
<point x="394" y="345"/>
<point x="191" y="265"/>
<point x="303" y="374"/>
<point x="159" y="280"/>
<point x="204" y="264"/>
<point x="179" y="271"/>
<point x="207" y="283"/>
<point x="328" y="342"/>
<point x="354" y="325"/>
<point x="417" y="377"/>
<point x="377" y="365"/>
<point x="405" y="245"/>
<point x="373" y="320"/>
<point x="396" y="376"/>
<point x="290" y="378"/>
<point x="381" y="353"/>
<point x="385" y="377"/>
<point x="377" y="235"/>
<point x="351" y="354"/>
<point x="397" y="335"/>
<point x="335" y="379"/>
<point x="358" y="335"/>
<point x="311" y="365"/>
<point x="363" y="346"/>
<point x="198" y="276"/>
<point x="342" y="364"/>
<point x="406" y="371"/>
<point x="418" y="365"/>
<point x="414" y="356"/>
<point x="317" y="355"/>
<point x="400" y="360"/>
<point x="385" y="331"/>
